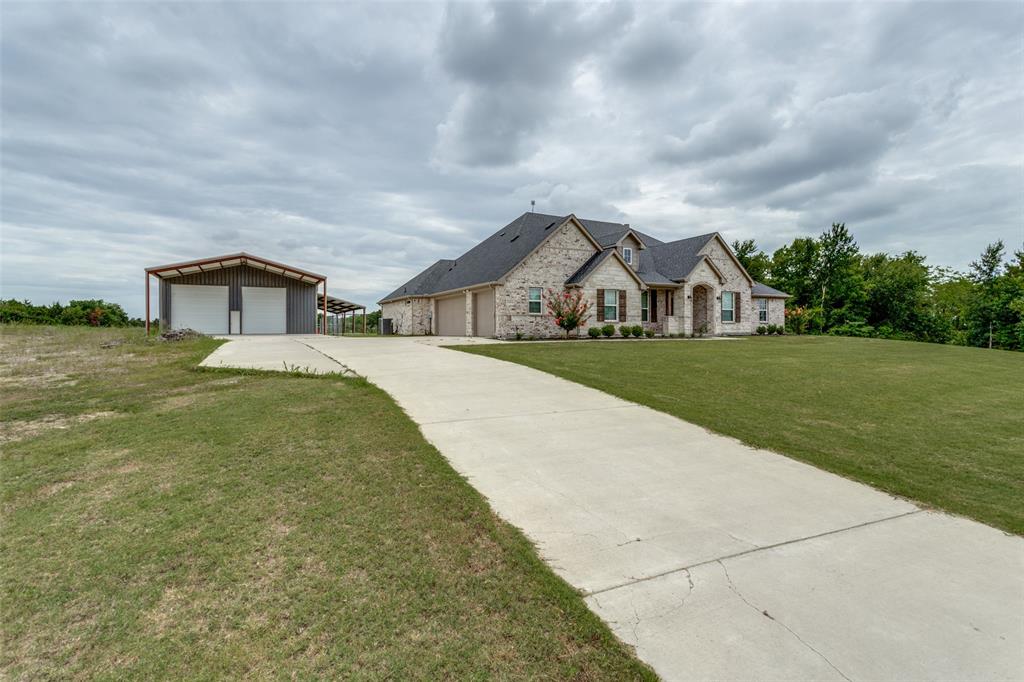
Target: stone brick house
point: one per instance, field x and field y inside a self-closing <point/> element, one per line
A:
<point x="499" y="287"/>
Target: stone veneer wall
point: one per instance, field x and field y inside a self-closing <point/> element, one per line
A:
<point x="776" y="312"/>
<point x="548" y="268"/>
<point x="611" y="274"/>
<point x="734" y="281"/>
<point x="412" y="316"/>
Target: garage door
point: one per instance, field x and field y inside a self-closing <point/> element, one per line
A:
<point x="483" y="313"/>
<point x="451" y="316"/>
<point x="264" y="310"/>
<point x="200" y="307"/>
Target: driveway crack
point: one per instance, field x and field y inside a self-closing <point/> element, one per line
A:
<point x="764" y="612"/>
<point x="345" y="369"/>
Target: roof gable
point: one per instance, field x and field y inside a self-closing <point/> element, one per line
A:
<point x="728" y="250"/>
<point x="579" y="277"/>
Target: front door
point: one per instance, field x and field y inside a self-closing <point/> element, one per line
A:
<point x="700" y="311"/>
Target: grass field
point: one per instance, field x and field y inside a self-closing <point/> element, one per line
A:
<point x="164" y="522"/>
<point x="942" y="425"/>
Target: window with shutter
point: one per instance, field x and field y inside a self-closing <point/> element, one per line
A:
<point x="654" y="305"/>
<point x="738" y="304"/>
<point x="611" y="305"/>
<point x="622" y="305"/>
<point x="644" y="305"/>
<point x="600" y="305"/>
<point x="728" y="306"/>
<point x="762" y="310"/>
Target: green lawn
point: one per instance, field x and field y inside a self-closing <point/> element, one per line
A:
<point x="943" y="425"/>
<point x="160" y="521"/>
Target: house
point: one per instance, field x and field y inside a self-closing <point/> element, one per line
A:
<point x="241" y="294"/>
<point x="498" y="288"/>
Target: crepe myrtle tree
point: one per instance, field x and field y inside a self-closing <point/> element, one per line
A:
<point x="570" y="310"/>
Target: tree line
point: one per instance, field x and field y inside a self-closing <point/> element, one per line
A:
<point x="94" y="313"/>
<point x="838" y="290"/>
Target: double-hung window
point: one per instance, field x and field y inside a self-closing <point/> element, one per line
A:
<point x="611" y="305"/>
<point x="535" y="306"/>
<point x="643" y="306"/>
<point x="728" y="306"/>
<point x="627" y="254"/>
<point x="762" y="310"/>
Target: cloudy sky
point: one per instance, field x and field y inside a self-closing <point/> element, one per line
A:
<point x="366" y="141"/>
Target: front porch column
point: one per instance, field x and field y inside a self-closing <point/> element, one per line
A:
<point x="686" y="299"/>
<point x="469" y="313"/>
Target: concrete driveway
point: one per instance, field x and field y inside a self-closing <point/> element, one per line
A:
<point x="715" y="560"/>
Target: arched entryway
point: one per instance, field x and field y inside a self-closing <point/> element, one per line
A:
<point x="702" y="316"/>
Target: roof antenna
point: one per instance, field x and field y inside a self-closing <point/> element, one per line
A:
<point x="532" y="204"/>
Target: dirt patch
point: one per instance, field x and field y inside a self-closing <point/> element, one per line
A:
<point x="22" y="429"/>
<point x="176" y="402"/>
<point x="54" y="488"/>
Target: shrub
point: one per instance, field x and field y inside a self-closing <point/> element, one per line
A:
<point x="762" y="330"/>
<point x="625" y="330"/>
<point x="853" y="328"/>
<point x="637" y="331"/>
<point x="780" y="329"/>
<point x="608" y="330"/>
<point x="594" y="332"/>
<point x="770" y="329"/>
<point x="649" y="333"/>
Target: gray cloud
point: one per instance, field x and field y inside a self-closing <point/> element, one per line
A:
<point x="367" y="140"/>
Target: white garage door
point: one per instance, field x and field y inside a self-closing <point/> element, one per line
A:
<point x="451" y="316"/>
<point x="264" y="310"/>
<point x="200" y="307"/>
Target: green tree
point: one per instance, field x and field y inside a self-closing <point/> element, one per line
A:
<point x="994" y="313"/>
<point x="837" y="278"/>
<point x="791" y="269"/>
<point x="754" y="261"/>
<point x="898" y="297"/>
<point x="950" y="297"/>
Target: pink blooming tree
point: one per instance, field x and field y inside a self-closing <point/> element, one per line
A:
<point x="569" y="309"/>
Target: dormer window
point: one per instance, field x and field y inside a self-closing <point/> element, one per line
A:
<point x="627" y="254"/>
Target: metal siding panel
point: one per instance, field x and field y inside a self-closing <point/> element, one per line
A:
<point x="300" y="297"/>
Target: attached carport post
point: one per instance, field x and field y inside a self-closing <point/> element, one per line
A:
<point x="325" y="306"/>
<point x="147" y="303"/>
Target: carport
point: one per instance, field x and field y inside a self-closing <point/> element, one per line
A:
<point x="342" y="311"/>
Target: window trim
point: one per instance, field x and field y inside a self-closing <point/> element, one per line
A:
<point x="627" y="254"/>
<point x="731" y="308"/>
<point x="606" y="306"/>
<point x="763" y="301"/>
<point x="645" y="305"/>
<point x="539" y="301"/>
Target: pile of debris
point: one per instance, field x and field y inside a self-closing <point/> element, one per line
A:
<point x="179" y="335"/>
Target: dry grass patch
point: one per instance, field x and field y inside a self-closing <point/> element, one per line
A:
<point x="258" y="525"/>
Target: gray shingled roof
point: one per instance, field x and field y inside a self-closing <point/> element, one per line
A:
<point x="422" y="283"/>
<point x="490" y="260"/>
<point x="674" y="260"/>
<point x="765" y="291"/>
